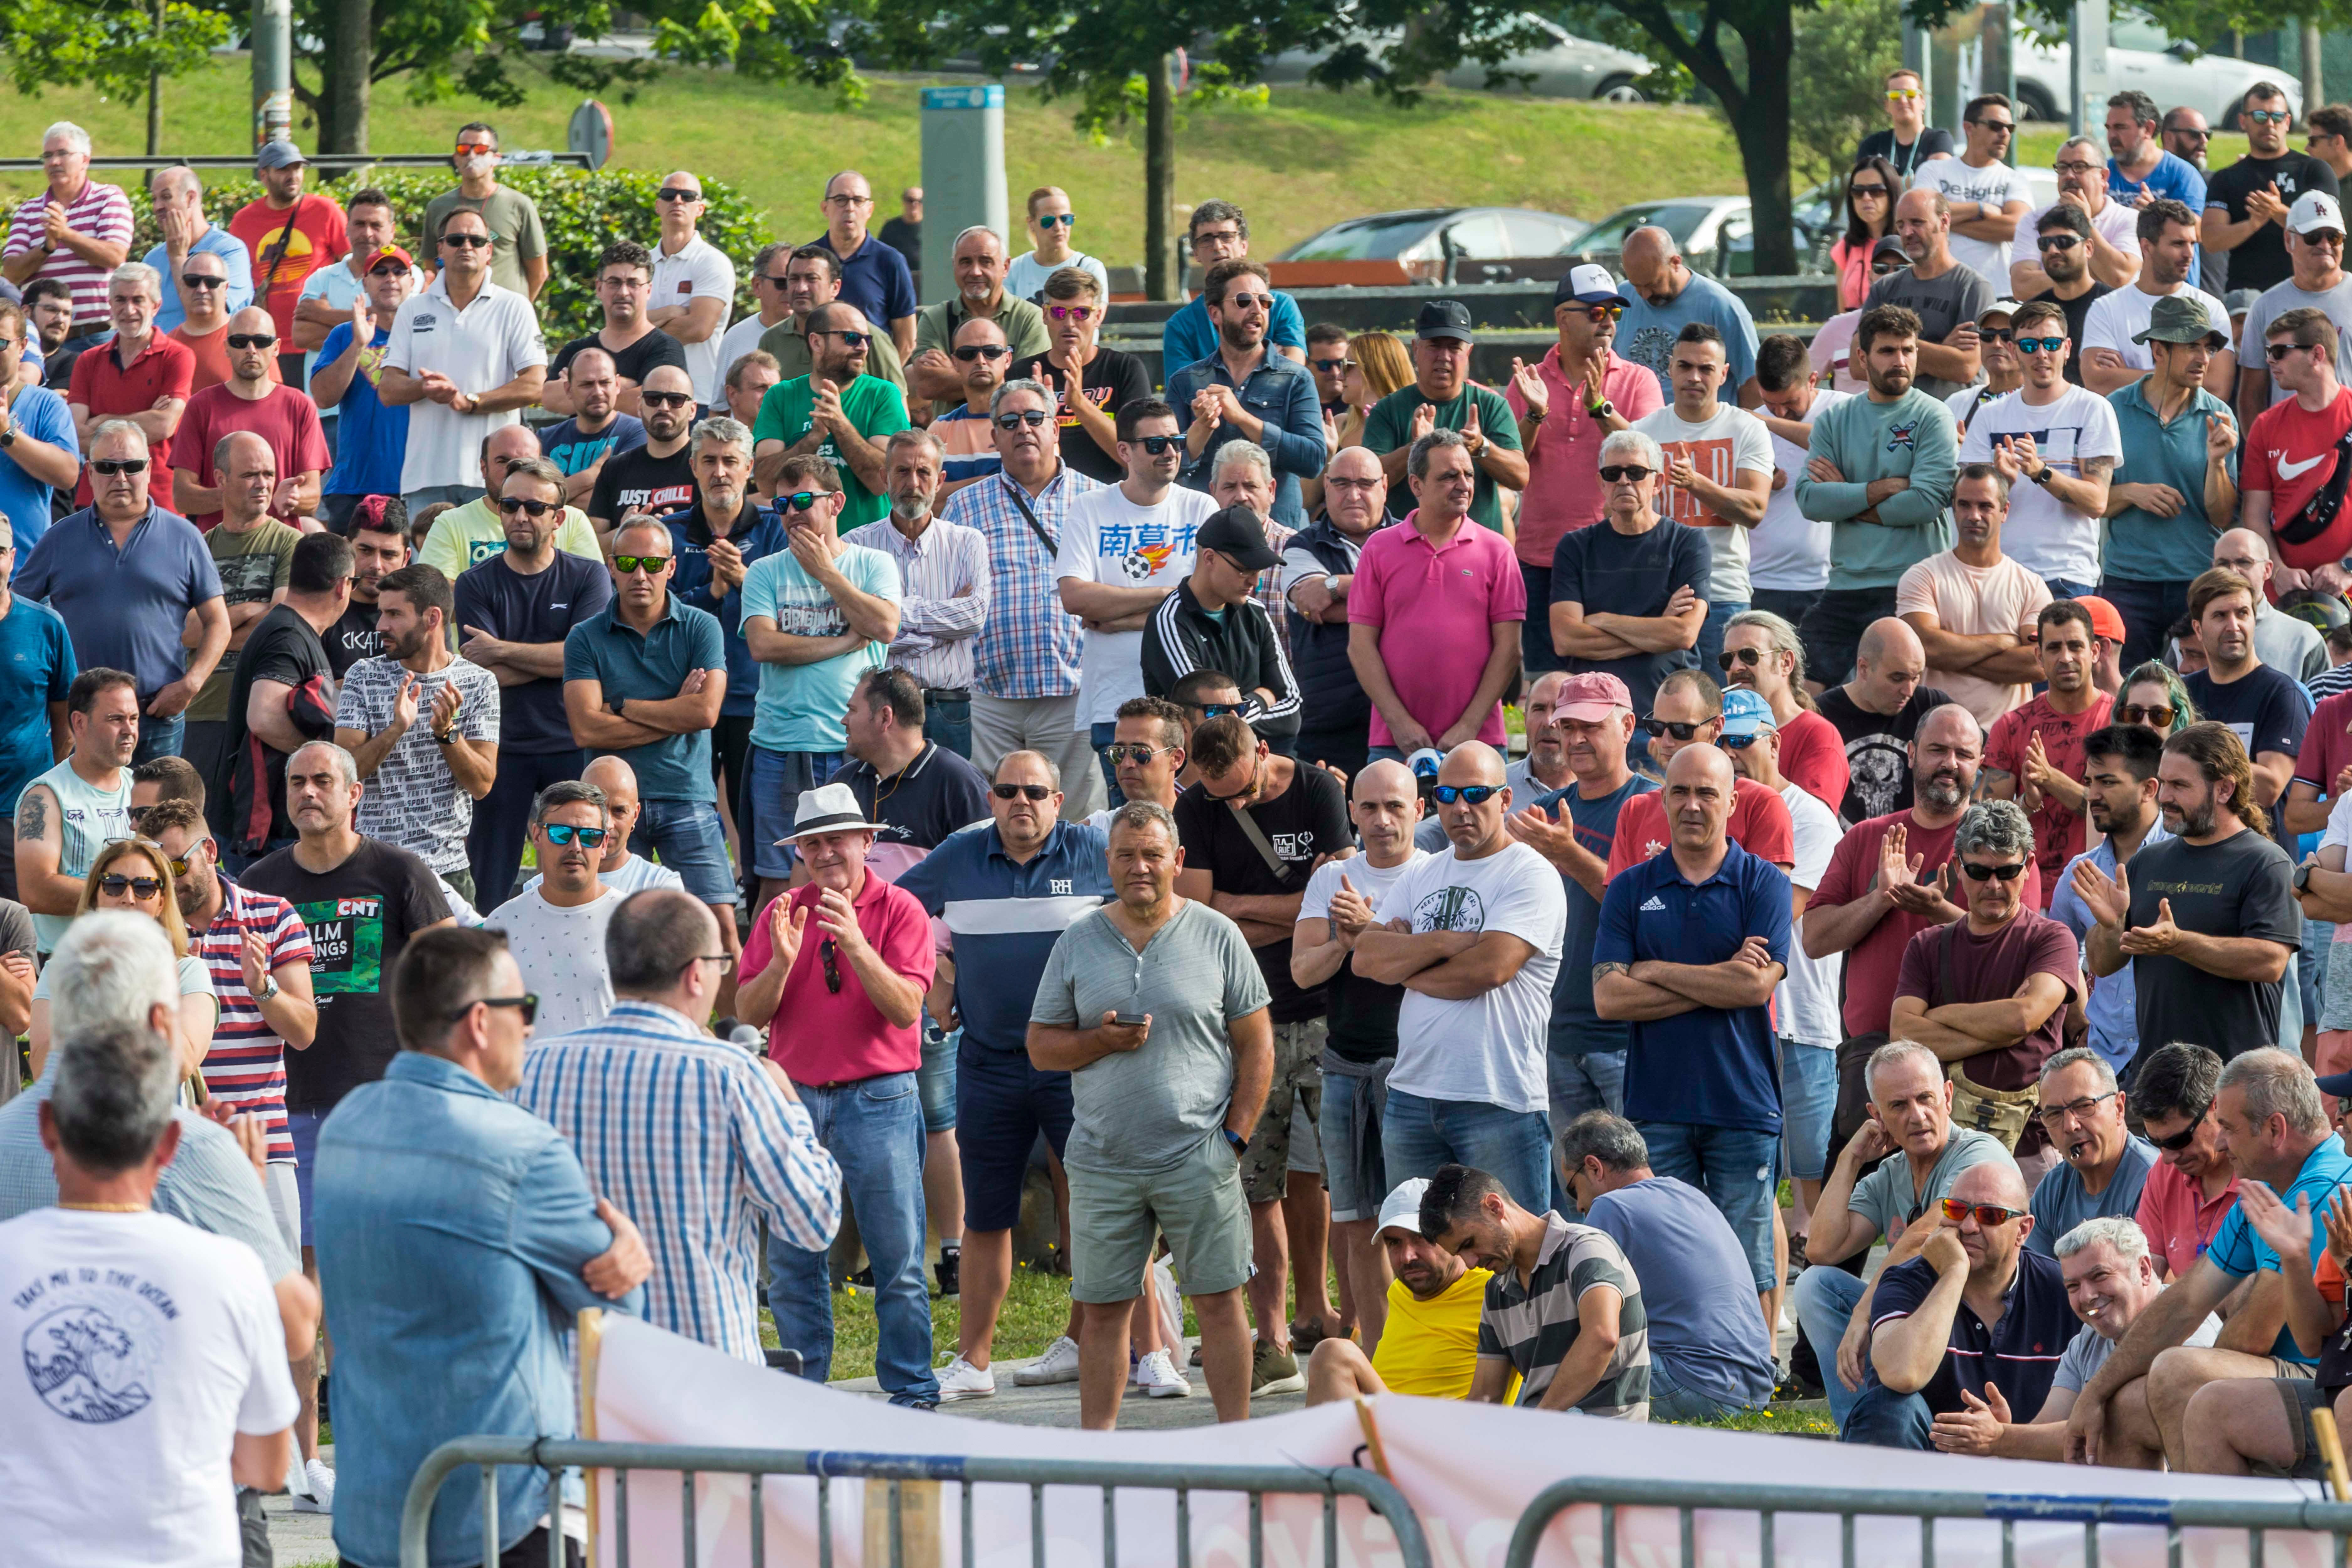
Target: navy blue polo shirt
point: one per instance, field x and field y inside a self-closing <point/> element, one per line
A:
<point x="124" y="609"/>
<point x="2019" y="1354"/>
<point x="691" y="536"/>
<point x="1005" y="918"/>
<point x="607" y="650"/>
<point x="1708" y="1067"/>
<point x="876" y="279"/>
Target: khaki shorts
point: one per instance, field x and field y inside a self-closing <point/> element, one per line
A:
<point x="1196" y="1203"/>
<point x="1268" y="1160"/>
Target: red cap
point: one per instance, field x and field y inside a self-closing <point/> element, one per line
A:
<point x="394" y="252"/>
<point x="2104" y="622"/>
<point x="1592" y="697"/>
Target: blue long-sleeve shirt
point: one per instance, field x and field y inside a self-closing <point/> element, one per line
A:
<point x="1282" y="392"/>
<point x="1913" y="438"/>
<point x="1190" y="336"/>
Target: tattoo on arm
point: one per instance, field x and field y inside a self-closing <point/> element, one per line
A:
<point x="2094" y="467"/>
<point x="1601" y="969"/>
<point x="33" y="815"/>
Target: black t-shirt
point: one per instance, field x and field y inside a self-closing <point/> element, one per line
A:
<point x="282" y="648"/>
<point x="2076" y="310"/>
<point x="361" y="916"/>
<point x="1878" y="755"/>
<point x="1630" y="574"/>
<point x="2261" y="261"/>
<point x="1306" y="821"/>
<point x="353" y="638"/>
<point x="636" y="480"/>
<point x="1906" y="160"/>
<point x="931" y="798"/>
<point x="648" y="354"/>
<point x="512" y="608"/>
<point x="1111" y="380"/>
<point x="2244" y="886"/>
<point x="2266" y="708"/>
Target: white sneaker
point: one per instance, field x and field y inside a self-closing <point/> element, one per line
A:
<point x="298" y="1485"/>
<point x="1156" y="1374"/>
<point x="1058" y="1364"/>
<point x="318" y="1491"/>
<point x="961" y="1380"/>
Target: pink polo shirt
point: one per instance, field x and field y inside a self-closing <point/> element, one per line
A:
<point x="1437" y="607"/>
<point x="1563" y="491"/>
<point x="821" y="1036"/>
<point x="2176" y="1216"/>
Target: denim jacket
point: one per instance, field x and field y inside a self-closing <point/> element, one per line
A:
<point x="452" y="1226"/>
<point x="1281" y="392"/>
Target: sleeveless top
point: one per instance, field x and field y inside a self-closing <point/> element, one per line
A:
<point x="88" y="816"/>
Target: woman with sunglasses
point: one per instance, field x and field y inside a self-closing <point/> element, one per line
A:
<point x="1052" y="225"/>
<point x="1378" y="364"/>
<point x="1869" y="192"/>
<point x="133" y="876"/>
<point x="2153" y="696"/>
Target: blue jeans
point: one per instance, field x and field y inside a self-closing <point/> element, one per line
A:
<point x="873" y="1128"/>
<point x="948" y="721"/>
<point x="1101" y="736"/>
<point x="1419" y="1135"/>
<point x="2067" y="587"/>
<point x="1733" y="1166"/>
<point x="779" y="779"/>
<point x="1808" y="1103"/>
<point x="1886" y="1419"/>
<point x="1582" y="1081"/>
<point x="1710" y="633"/>
<point x="1670" y="1401"/>
<point x="686" y="836"/>
<point x="938" y="1078"/>
<point x="158" y="737"/>
<point x="2148" y="609"/>
<point x="1823" y="1301"/>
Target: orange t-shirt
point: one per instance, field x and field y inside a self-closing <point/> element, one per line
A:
<point x="287" y="246"/>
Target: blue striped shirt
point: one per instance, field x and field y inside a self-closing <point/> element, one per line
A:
<point x="690" y="1138"/>
<point x="1030" y="647"/>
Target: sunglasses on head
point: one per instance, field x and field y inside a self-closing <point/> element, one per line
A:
<point x="650" y="564"/>
<point x="1071" y="313"/>
<point x="466" y="241"/>
<point x="1032" y="417"/>
<point x="115" y="885"/>
<point x="1988" y="1215"/>
<point x="1473" y="795"/>
<point x="2039" y="345"/>
<point x="564" y="833"/>
<point x="526" y="1004"/>
<point x="1658" y="729"/>
<point x="971" y="352"/>
<point x="112" y="465"/>
<point x="1016" y="791"/>
<point x="1978" y="871"/>
<point x="2158" y="715"/>
<point x="1158" y="446"/>
<point x="524" y="504"/>
<point x="1328" y="366"/>
<point x="1627" y="473"/>
<point x="252" y="340"/>
<point x="2186" y="1136"/>
<point x="665" y="399"/>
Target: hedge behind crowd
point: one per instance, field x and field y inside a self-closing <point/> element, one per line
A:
<point x="582" y="212"/>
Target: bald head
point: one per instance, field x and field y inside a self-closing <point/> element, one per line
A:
<point x="2247" y="554"/>
<point x="1474" y="828"/>
<point x="1994" y="1182"/>
<point x="1699" y="761"/>
<point x="1648" y="246"/>
<point x="252" y="319"/>
<point x="174" y="185"/>
<point x="1889" y="665"/>
<point x="614" y="777"/>
<point x="1386" y="778"/>
<point x="1471" y="763"/>
<point x="1889" y="635"/>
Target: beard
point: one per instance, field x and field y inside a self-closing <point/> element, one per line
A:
<point x="1943" y="789"/>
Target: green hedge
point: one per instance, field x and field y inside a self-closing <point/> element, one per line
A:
<point x="582" y="213"/>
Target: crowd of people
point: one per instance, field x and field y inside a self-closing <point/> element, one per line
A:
<point x="504" y="826"/>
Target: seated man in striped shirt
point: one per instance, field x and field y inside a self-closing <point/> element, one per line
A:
<point x="1563" y="1310"/>
<point x="619" y="1092"/>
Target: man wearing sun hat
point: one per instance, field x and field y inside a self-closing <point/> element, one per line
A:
<point x="841" y="964"/>
<point x="1428" y="1345"/>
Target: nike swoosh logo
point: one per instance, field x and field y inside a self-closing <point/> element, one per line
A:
<point x="2287" y="471"/>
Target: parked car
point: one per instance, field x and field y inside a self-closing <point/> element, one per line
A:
<point x="1569" y="67"/>
<point x="1443" y="245"/>
<point x="2141" y="55"/>
<point x="1717" y="235"/>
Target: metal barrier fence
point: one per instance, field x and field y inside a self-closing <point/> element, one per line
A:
<point x="1847" y="1504"/>
<point x="968" y="1470"/>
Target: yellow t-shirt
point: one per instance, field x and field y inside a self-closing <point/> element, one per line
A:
<point x="468" y="535"/>
<point x="1432" y="1347"/>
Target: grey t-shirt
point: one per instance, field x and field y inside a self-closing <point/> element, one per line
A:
<point x="2060" y="1204"/>
<point x="1886" y="1195"/>
<point x="2088" y="1351"/>
<point x="1958" y="294"/>
<point x="2276" y="301"/>
<point x="1147" y="1109"/>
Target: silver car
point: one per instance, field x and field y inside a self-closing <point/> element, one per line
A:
<point x="1568" y="66"/>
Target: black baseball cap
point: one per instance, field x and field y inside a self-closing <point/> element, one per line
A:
<point x="1237" y="535"/>
<point x="1445" y="319"/>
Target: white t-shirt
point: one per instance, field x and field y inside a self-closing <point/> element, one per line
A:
<point x="145" y="1345"/>
<point x="1372" y="881"/>
<point x="741" y="339"/>
<point x="634" y="875"/>
<point x="1790" y="551"/>
<point x="2116" y="315"/>
<point x="1808" y="998"/>
<point x="1025" y="277"/>
<point x="2118" y="223"/>
<point x="1969" y="402"/>
<point x="561" y="952"/>
<point x="1996" y="184"/>
<point x="1729" y="440"/>
<point x="489" y="342"/>
<point x="2046" y="537"/>
<point x="1489" y="1049"/>
<point x="699" y="271"/>
<point x="1108" y="539"/>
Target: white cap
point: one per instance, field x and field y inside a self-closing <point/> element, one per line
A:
<point x="2314" y="210"/>
<point x="1400" y="1209"/>
<point x="1998" y="308"/>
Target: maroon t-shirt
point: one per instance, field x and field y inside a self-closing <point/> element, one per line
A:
<point x="1990" y="968"/>
<point x="2327" y="744"/>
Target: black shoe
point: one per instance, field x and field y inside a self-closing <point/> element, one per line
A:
<point x="951" y="1274"/>
<point x="1804" y="1364"/>
<point x="1798" y="1262"/>
<point x="864" y="1278"/>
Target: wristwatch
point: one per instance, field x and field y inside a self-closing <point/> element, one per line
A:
<point x="1331" y="584"/>
<point x="444" y="737"/>
<point x="2303" y="878"/>
<point x="1605" y="409"/>
<point x="1235" y="1139"/>
<point x="268" y="992"/>
<point x="2040" y="476"/>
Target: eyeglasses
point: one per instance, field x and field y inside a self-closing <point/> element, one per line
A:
<point x="1597" y="314"/>
<point x="1328" y="366"/>
<point x="141" y="888"/>
<point x="251" y="340"/>
<point x="849" y="340"/>
<point x="2039" y="345"/>
<point x="1158" y="445"/>
<point x="564" y="833"/>
<point x="1473" y="795"/>
<point x="1748" y="657"/>
<point x="2160" y="716"/>
<point x="725" y="961"/>
<point x="2267" y="116"/>
<point x="799" y="500"/>
<point x="1657" y="729"/>
<point x="1988" y="1215"/>
<point x="2187" y="1135"/>
<point x="1873" y="190"/>
<point x="389" y="269"/>
<point x="1013" y="791"/>
<point x="1050" y="220"/>
<point x="528" y="1003"/>
<point x="665" y="399"/>
<point x="1247" y="301"/>
<point x="2080" y="1110"/>
<point x="1081" y="313"/>
<point x="971" y="352"/>
<point x="2074" y="166"/>
<point x="1978" y="871"/>
<point x="830" y="958"/>
<point x="1624" y="473"/>
<point x="849" y="201"/>
<point x="109" y="466"/>
<point x="2058" y="241"/>
<point x="2277" y="352"/>
<point x="466" y="241"/>
<point x="674" y="195"/>
<point x="524" y="504"/>
<point x="650" y="564"/>
<point x="201" y="280"/>
<point x="1032" y="417"/>
<point x="1136" y="751"/>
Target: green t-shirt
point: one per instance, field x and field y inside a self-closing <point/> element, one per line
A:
<point x="792" y="350"/>
<point x="1390" y="426"/>
<point x="874" y="407"/>
<point x="253" y="565"/>
<point x="516" y="234"/>
<point x="1022" y="323"/>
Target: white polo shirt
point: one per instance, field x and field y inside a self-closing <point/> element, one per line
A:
<point x="697" y="272"/>
<point x="489" y="342"/>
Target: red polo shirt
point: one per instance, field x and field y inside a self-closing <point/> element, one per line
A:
<point x="822" y="1036"/>
<point x="2176" y="1216"/>
<point x="163" y="369"/>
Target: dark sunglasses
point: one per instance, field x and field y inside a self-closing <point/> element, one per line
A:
<point x="1032" y="417"/>
<point x="2267" y="116"/>
<point x="1158" y="445"/>
<point x="1219" y="710"/>
<point x="1881" y="269"/>
<point x="200" y="280"/>
<point x="1870" y="190"/>
<point x="1634" y="473"/>
<point x="468" y="242"/>
<point x="1065" y="220"/>
<point x="1988" y="1215"/>
<point x="2000" y="125"/>
<point x="1071" y="313"/>
<point x="2186" y="1136"/>
<point x="1997" y="334"/>
<point x="389" y="269"/>
<point x="178" y="863"/>
<point x="827" y="954"/>
<point x="799" y="500"/>
<point x="2059" y="241"/>
<point x="115" y="886"/>
<point x="2134" y="714"/>
<point x="252" y="340"/>
<point x="1328" y="366"/>
<point x="1476" y="794"/>
<point x="524" y="504"/>
<point x="651" y="565"/>
<point x="564" y="833"/>
<point x="1748" y="657"/>
<point x="1012" y="791"/>
<point x="112" y="465"/>
<point x="848" y="339"/>
<point x="528" y="1003"/>
<point x="2039" y="345"/>
<point x="2192" y="135"/>
<point x="1134" y="751"/>
<point x="674" y="195"/>
<point x="1657" y="729"/>
<point x="2277" y="352"/>
<point x="1977" y="871"/>
<point x="1738" y="742"/>
<point x="1597" y="314"/>
<point x="971" y="352"/>
<point x="665" y="399"/>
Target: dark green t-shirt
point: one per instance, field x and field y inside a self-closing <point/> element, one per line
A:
<point x="1390" y="426"/>
<point x="873" y="405"/>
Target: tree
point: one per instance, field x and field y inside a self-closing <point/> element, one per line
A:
<point x="1844" y="53"/>
<point x="121" y="48"/>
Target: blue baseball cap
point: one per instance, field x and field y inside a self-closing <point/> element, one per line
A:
<point x="1744" y="712"/>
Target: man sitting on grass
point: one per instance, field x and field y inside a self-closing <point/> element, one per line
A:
<point x="1430" y="1342"/>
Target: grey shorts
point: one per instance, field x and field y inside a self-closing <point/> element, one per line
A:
<point x="2301" y="1397"/>
<point x="1271" y="1156"/>
<point x="1196" y="1203"/>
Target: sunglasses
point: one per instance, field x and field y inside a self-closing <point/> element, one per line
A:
<point x="109" y="466"/>
<point x="1329" y="366"/>
<point x="1053" y="220"/>
<point x="2186" y="1136"/>
<point x="389" y="269"/>
<point x="1857" y="191"/>
<point x="466" y="241"/>
<point x="1977" y="871"/>
<point x="1032" y="417"/>
<point x="141" y="888"/>
<point x="2059" y="241"/>
<point x="1071" y="313"/>
<point x="252" y="340"/>
<point x="178" y="863"/>
<point x="523" y="504"/>
<point x="831" y="959"/>
<point x="2002" y="126"/>
<point x="1158" y="446"/>
<point x="1249" y="301"/>
<point x="650" y="564"/>
<point x="674" y="195"/>
<point x="1597" y="314"/>
<point x="2134" y="714"/>
<point x="2267" y="116"/>
<point x="1902" y="95"/>
<point x="1997" y="334"/>
<point x="2039" y="345"/>
<point x="527" y="1004"/>
<point x="1473" y="795"/>
<point x="564" y="833"/>
<point x="1624" y="473"/>
<point x="1015" y="791"/>
<point x="1881" y="269"/>
<point x="1657" y="729"/>
<point x="665" y="399"/>
<point x="1135" y="752"/>
<point x="200" y="280"/>
<point x="1988" y="1215"/>
<point x="2277" y="352"/>
<point x="971" y="352"/>
<point x="848" y="340"/>
<point x="2192" y="135"/>
<point x="1219" y="710"/>
<point x="464" y="147"/>
<point x="1738" y="742"/>
<point x="799" y="500"/>
<point x="1748" y="657"/>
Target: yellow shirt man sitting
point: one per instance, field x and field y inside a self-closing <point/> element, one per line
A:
<point x="1429" y="1345"/>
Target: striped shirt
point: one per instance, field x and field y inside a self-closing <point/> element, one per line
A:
<point x="694" y="1141"/>
<point x="1030" y="647"/>
<point x="943" y="574"/>
<point x="247" y="1064"/>
<point x="970" y="447"/>
<point x="1534" y="1325"/>
<point x="101" y="213"/>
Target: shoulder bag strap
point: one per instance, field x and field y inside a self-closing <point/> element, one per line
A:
<point x="1250" y="830"/>
<point x="1043" y="538"/>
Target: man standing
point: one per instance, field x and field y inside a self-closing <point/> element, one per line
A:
<point x="2110" y="340"/>
<point x="512" y="614"/>
<point x="519" y="261"/>
<point x="1973" y="607"/>
<point x="2288" y="643"/>
<point x="1218" y="232"/>
<point x="1719" y="472"/>
<point x="251" y="400"/>
<point x="965" y="431"/>
<point x="658" y="475"/>
<point x="379" y="540"/>
<point x="1984" y="196"/>
<point x="1944" y="292"/>
<point x="176" y="198"/>
<point x="142" y="376"/>
<point x="1474" y="935"/>
<point x="597" y="428"/>
<point x="556" y="928"/>
<point x="693" y="283"/>
<point x="1881" y="468"/>
<point x="618" y="868"/>
<point x="2110" y="250"/>
<point x="874" y="280"/>
<point x="66" y="814"/>
<point x="1789" y="553"/>
<point x="130" y="580"/>
<point x="2118" y="765"/>
<point x="1630" y="597"/>
<point x="1668" y="297"/>
<point x="2063" y="439"/>
<point x="943" y="577"/>
<point x="370" y="228"/>
<point x="980" y="261"/>
<point x="204" y="329"/>
<point x="465" y="352"/>
<point x="2247" y="203"/>
<point x="281" y="695"/>
<point x="1246" y="392"/>
<point x="1318" y="572"/>
<point x="466" y="536"/>
<point x="1908" y="140"/>
<point x="2034" y="754"/>
<point x="2295" y="500"/>
<point x="836" y="412"/>
<point x="77" y="231"/>
<point x="802" y="282"/>
<point x="1691" y="709"/>
<point x="2315" y="247"/>
<point x="1442" y="397"/>
<point x="254" y="555"/>
<point x="1213" y="621"/>
<point x="624" y="272"/>
<point x="2265" y="708"/>
<point x="370" y="439"/>
<point x="36" y="670"/>
<point x="2141" y="172"/>
<point x="289" y="235"/>
<point x="918" y="791"/>
<point x="2105" y="1164"/>
<point x="1157" y="1139"/>
<point x="904" y="233"/>
<point x="40" y="453"/>
<point x="424" y="777"/>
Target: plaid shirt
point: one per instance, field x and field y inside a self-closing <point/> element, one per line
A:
<point x="690" y="1139"/>
<point x="1029" y="648"/>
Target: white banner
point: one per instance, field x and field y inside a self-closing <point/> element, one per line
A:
<point x="1467" y="1469"/>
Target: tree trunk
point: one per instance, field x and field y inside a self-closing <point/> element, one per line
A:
<point x="2315" y="89"/>
<point x="155" y="86"/>
<point x="1760" y="123"/>
<point x="1163" y="278"/>
<point x="344" y="71"/>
